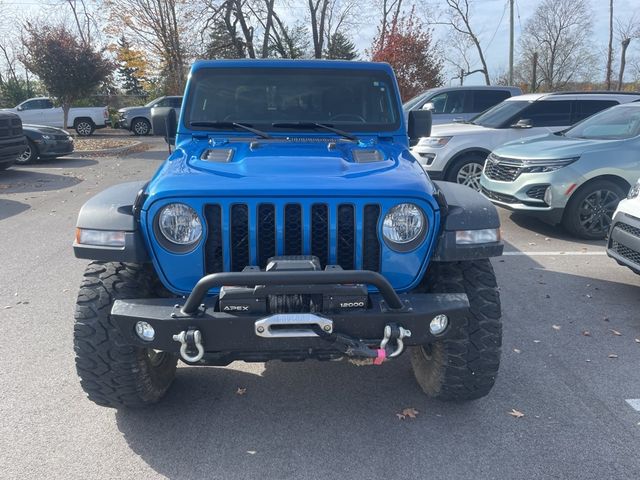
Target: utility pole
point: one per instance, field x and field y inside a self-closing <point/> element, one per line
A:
<point x="511" y="42"/>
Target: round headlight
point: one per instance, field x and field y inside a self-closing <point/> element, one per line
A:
<point x="180" y="224"/>
<point x="403" y="224"/>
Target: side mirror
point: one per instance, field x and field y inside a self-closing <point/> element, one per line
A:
<point x="165" y="123"/>
<point x="418" y="125"/>
<point x="19" y="108"/>
<point x="429" y="106"/>
<point x="523" y="123"/>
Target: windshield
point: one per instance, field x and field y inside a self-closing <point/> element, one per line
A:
<point x="351" y="100"/>
<point x="496" y="116"/>
<point x="616" y="123"/>
<point x="415" y="101"/>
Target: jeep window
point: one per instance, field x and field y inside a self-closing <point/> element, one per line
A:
<point x="500" y="115"/>
<point x="616" y="123"/>
<point x="350" y="100"/>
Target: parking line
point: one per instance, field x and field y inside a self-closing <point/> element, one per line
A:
<point x="555" y="254"/>
<point x="634" y="402"/>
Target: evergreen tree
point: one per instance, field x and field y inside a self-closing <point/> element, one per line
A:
<point x="224" y="44"/>
<point x="339" y="47"/>
<point x="132" y="68"/>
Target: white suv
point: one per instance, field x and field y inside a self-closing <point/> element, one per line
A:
<point x="624" y="237"/>
<point x="457" y="151"/>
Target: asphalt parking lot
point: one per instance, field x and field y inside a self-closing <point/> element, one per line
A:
<point x="570" y="364"/>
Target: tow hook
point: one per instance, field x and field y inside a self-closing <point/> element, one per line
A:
<point x="190" y="341"/>
<point x="397" y="333"/>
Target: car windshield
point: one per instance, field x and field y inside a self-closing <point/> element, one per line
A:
<point x="496" y="116"/>
<point x="351" y="100"/>
<point x="415" y="101"/>
<point x="616" y="123"/>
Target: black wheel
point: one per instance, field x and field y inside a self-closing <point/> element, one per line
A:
<point x="467" y="170"/>
<point x="113" y="373"/>
<point x="463" y="367"/>
<point x="84" y="127"/>
<point x="590" y="210"/>
<point x="141" y="126"/>
<point x="29" y="155"/>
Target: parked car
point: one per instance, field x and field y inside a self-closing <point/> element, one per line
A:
<point x="45" y="143"/>
<point x="285" y="225"/>
<point x="451" y="104"/>
<point x="575" y="177"/>
<point x="624" y="236"/>
<point x="12" y="140"/>
<point x="457" y="152"/>
<point x="42" y="111"/>
<point x="138" y="119"/>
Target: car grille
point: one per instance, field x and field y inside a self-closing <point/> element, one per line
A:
<point x="502" y="169"/>
<point x="10" y="127"/>
<point x="626" y="252"/>
<point x="537" y="192"/>
<point x="264" y="230"/>
<point x="500" y="197"/>
<point x="628" y="228"/>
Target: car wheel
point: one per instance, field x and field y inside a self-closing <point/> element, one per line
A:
<point x="84" y="127"/>
<point x="590" y="210"/>
<point x="29" y="155"/>
<point x="467" y="171"/>
<point x="141" y="127"/>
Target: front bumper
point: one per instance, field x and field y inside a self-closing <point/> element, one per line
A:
<point x="233" y="336"/>
<point x="55" y="148"/>
<point x="623" y="244"/>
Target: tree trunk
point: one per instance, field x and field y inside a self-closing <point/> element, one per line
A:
<point x="66" y="106"/>
<point x="610" y="49"/>
<point x="267" y="28"/>
<point x="623" y="61"/>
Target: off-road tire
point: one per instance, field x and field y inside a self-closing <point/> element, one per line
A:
<point x="112" y="372"/>
<point x="23" y="159"/>
<point x="571" y="218"/>
<point x="463" y="367"/>
<point x="141" y="127"/>
<point x="470" y="160"/>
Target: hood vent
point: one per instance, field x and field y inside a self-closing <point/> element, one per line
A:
<point x="218" y="155"/>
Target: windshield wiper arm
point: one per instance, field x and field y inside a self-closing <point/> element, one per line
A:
<point x="324" y="126"/>
<point x="242" y="126"/>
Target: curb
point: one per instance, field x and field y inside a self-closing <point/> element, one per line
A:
<point x="108" y="151"/>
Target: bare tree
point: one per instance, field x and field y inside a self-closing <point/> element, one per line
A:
<point x="459" y="18"/>
<point x="610" y="48"/>
<point x="560" y="33"/>
<point x="318" y="17"/>
<point x="390" y="13"/>
<point x="625" y="32"/>
<point x="157" y="25"/>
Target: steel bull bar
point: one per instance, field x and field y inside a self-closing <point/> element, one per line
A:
<point x="197" y="330"/>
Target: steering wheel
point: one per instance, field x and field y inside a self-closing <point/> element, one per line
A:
<point x="348" y="116"/>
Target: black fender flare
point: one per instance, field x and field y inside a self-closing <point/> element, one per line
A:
<point x="114" y="209"/>
<point x="463" y="208"/>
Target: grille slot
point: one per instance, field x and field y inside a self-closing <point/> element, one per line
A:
<point x="502" y="169"/>
<point x="499" y="196"/>
<point x="626" y="252"/>
<point x="239" y="237"/>
<point x="370" y="241"/>
<point x="213" y="246"/>
<point x="537" y="192"/>
<point x="629" y="229"/>
<point x="346" y="237"/>
<point x="320" y="232"/>
<point x="266" y="233"/>
<point x="293" y="229"/>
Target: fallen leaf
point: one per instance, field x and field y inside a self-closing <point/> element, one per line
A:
<point x="536" y="341"/>
<point x="588" y="296"/>
<point x="587" y="360"/>
<point x="6" y="307"/>
<point x="407" y="412"/>
<point x="613" y="355"/>
<point x="615" y="332"/>
<point x="606" y="319"/>
<point x="586" y="333"/>
<point x="516" y="413"/>
<point x="251" y="452"/>
<point x="556" y="327"/>
<point x="241" y="391"/>
<point x="637" y="340"/>
<point x="517" y="350"/>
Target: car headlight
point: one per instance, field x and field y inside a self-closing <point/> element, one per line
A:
<point x="544" y="166"/>
<point x="434" y="142"/>
<point x="404" y="226"/>
<point x="180" y="224"/>
<point x="634" y="192"/>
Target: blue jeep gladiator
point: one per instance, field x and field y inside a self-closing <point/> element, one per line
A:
<point x="290" y="222"/>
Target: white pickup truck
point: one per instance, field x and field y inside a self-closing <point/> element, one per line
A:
<point x="42" y="111"/>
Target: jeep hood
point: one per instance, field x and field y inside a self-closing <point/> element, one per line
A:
<point x="281" y="169"/>
<point x="551" y="147"/>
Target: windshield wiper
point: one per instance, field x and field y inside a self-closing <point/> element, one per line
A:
<point x="236" y="125"/>
<point x="324" y="126"/>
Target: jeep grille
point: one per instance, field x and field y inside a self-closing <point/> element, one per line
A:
<point x="268" y="230"/>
